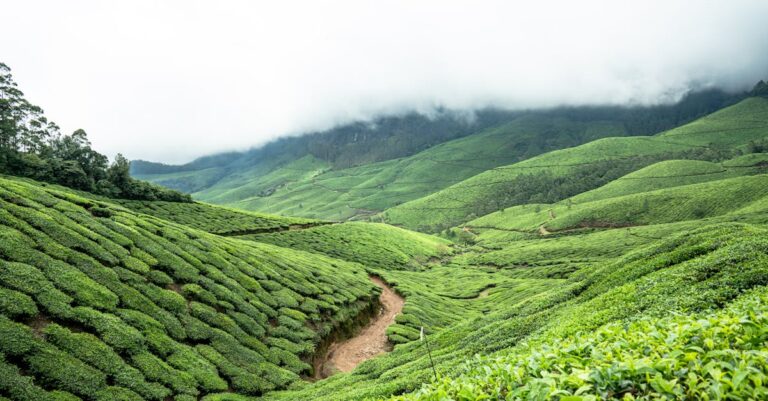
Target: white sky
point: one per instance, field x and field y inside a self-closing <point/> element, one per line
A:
<point x="172" y="80"/>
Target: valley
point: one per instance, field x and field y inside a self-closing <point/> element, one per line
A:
<point x="560" y="254"/>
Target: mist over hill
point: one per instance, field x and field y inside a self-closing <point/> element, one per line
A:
<point x="397" y="201"/>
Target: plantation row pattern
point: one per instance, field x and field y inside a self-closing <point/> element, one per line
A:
<point x="125" y="306"/>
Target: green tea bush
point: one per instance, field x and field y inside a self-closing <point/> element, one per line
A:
<point x="717" y="356"/>
<point x="155" y="369"/>
<point x="116" y="393"/>
<point x="15" y="304"/>
<point x="126" y="295"/>
<point x="111" y="329"/>
<point x="186" y="359"/>
<point x="63" y="371"/>
<point x="20" y="387"/>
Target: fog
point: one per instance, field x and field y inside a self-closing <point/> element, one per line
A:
<point x="172" y="80"/>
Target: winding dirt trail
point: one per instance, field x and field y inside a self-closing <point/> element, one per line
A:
<point x="371" y="341"/>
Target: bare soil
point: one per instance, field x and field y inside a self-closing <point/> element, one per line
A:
<point x="372" y="339"/>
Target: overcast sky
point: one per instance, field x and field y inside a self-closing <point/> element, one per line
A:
<point x="172" y="80"/>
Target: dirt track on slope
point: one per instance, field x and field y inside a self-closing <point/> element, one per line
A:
<point x="372" y="339"/>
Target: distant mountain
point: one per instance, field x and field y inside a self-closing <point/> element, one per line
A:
<point x="361" y="169"/>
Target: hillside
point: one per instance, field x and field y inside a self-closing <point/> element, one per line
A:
<point x="372" y="167"/>
<point x="359" y="191"/>
<point x="217" y="219"/>
<point x="557" y="175"/>
<point x="683" y="272"/>
<point x="627" y="267"/>
<point x="105" y="303"/>
<point x="374" y="245"/>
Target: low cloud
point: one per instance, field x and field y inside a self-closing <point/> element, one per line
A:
<point x="173" y="80"/>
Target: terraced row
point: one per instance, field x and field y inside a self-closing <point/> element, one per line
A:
<point x="101" y="303"/>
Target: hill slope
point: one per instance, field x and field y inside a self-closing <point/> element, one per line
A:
<point x="105" y="304"/>
<point x="557" y="175"/>
<point x="356" y="170"/>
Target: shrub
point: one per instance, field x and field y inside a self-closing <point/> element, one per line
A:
<point x="83" y="289"/>
<point x="17" y="339"/>
<point x="155" y="369"/>
<point x="21" y="388"/>
<point x="16" y="304"/>
<point x="111" y="329"/>
<point x="117" y="394"/>
<point x="99" y="211"/>
<point x="62" y="371"/>
<point x="159" y="278"/>
<point x="204" y="372"/>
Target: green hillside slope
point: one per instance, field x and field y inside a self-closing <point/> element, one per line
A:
<point x="557" y="175"/>
<point x="688" y="272"/>
<point x="102" y="303"/>
<point x="678" y="357"/>
<point x="355" y="170"/>
<point x="216" y="219"/>
<point x="308" y="187"/>
<point x="371" y="244"/>
<point x="687" y="202"/>
<point x="630" y="267"/>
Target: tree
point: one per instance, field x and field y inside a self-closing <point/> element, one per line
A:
<point x="76" y="147"/>
<point x="119" y="173"/>
<point x="23" y="127"/>
<point x="31" y="146"/>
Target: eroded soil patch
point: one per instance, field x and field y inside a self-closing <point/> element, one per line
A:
<point x="370" y="341"/>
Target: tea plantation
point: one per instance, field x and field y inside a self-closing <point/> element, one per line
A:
<point x="690" y="273"/>
<point x="560" y="174"/>
<point x="640" y="276"/>
<point x="102" y="303"/>
<point x="217" y="219"/>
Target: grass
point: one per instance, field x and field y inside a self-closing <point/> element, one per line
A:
<point x="102" y="302"/>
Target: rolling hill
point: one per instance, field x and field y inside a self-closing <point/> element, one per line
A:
<point x="629" y="267"/>
<point x="101" y="302"/>
<point x="560" y="174"/>
<point x="355" y="171"/>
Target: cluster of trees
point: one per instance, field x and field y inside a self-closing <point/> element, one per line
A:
<point x="760" y="89"/>
<point x="32" y="146"/>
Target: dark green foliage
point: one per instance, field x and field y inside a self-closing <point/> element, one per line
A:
<point x="17" y="338"/>
<point x="760" y="89"/>
<point x="63" y="371"/>
<point x="18" y="386"/>
<point x="156" y="369"/>
<point x="117" y="394"/>
<point x="16" y="304"/>
<point x="31" y="146"/>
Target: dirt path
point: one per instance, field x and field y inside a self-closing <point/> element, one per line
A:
<point x="543" y="230"/>
<point x="371" y="341"/>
